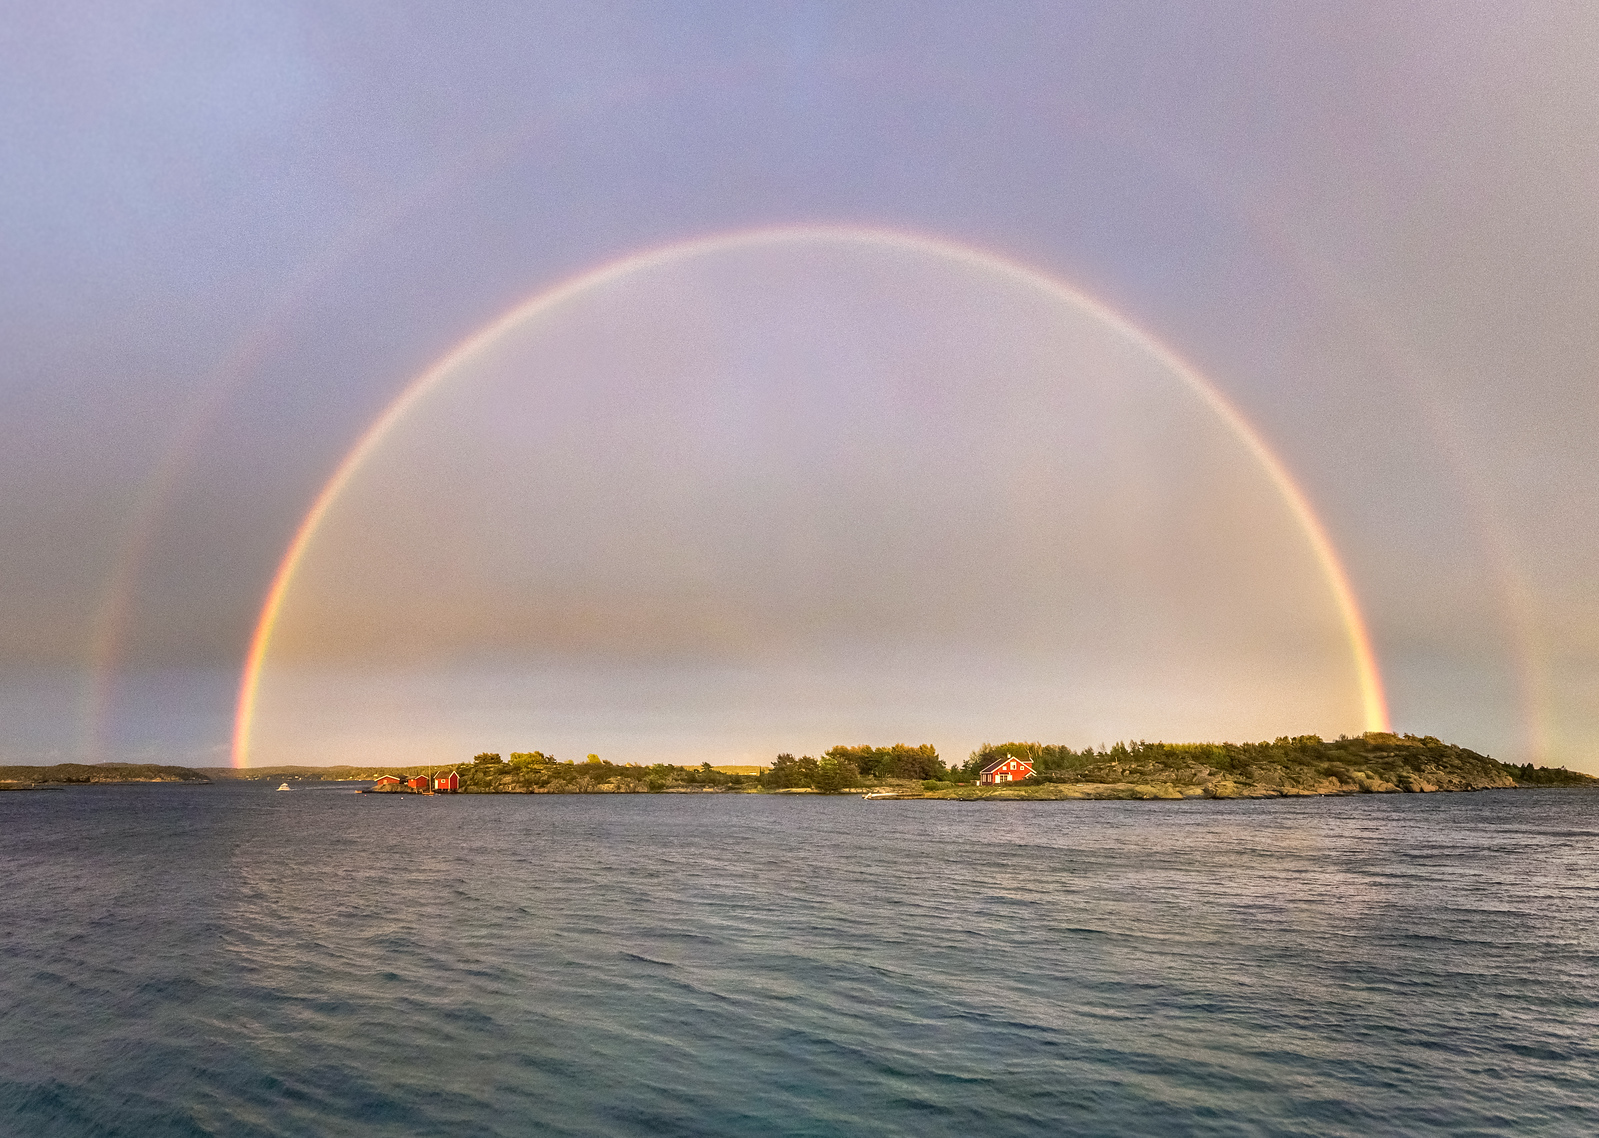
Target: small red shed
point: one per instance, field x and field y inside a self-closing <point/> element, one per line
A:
<point x="388" y="782"/>
<point x="420" y="783"/>
<point x="1004" y="769"/>
<point x="447" y="783"/>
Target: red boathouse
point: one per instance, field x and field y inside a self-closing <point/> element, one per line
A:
<point x="421" y="783"/>
<point x="447" y="783"/>
<point x="1004" y="769"/>
<point x="388" y="782"/>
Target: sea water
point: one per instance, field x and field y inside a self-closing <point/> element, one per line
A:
<point x="232" y="960"/>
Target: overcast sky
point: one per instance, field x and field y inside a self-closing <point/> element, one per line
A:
<point x="233" y="234"/>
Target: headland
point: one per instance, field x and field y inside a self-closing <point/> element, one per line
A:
<point x="66" y="774"/>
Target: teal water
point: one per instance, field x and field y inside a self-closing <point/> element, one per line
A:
<point x="232" y="960"/>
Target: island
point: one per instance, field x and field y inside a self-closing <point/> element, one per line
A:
<point x="1289" y="766"/>
<point x="1376" y="762"/>
<point x="531" y="772"/>
<point x="67" y="774"/>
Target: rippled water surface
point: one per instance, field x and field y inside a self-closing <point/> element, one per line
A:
<point x="233" y="960"/>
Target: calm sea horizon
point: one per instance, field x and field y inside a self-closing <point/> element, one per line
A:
<point x="232" y="960"/>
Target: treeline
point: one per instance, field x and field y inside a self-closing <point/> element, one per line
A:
<point x="839" y="769"/>
<point x="1232" y="758"/>
<point x="842" y="767"/>
<point x="1376" y="756"/>
<point x="530" y="772"/>
<point x="1530" y="775"/>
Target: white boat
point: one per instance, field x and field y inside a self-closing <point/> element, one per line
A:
<point x="284" y="786"/>
<point x="881" y="794"/>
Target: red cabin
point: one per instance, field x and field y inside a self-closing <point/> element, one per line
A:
<point x="388" y="782"/>
<point x="1004" y="769"/>
<point x="420" y="783"/>
<point x="447" y="783"/>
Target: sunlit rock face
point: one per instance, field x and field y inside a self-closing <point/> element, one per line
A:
<point x="777" y="493"/>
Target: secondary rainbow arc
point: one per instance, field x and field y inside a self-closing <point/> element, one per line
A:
<point x="1372" y="698"/>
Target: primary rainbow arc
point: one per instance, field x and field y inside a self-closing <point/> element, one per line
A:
<point x="1373" y="702"/>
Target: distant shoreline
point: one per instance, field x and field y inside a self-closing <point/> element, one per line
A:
<point x="1304" y="766"/>
<point x="1056" y="792"/>
<point x="84" y="774"/>
<point x="1050" y="792"/>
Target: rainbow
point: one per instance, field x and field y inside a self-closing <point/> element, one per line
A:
<point x="1373" y="701"/>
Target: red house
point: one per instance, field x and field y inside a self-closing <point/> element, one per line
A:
<point x="447" y="783"/>
<point x="388" y="782"/>
<point x="421" y="783"/>
<point x="1004" y="769"/>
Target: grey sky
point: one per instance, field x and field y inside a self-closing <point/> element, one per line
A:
<point x="233" y="233"/>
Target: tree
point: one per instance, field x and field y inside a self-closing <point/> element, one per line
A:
<point x="788" y="772"/>
<point x="487" y="759"/>
<point x="834" y="775"/>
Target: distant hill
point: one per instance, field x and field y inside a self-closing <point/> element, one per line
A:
<point x="99" y="772"/>
<point x="317" y="774"/>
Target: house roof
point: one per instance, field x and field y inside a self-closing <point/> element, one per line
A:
<point x="1001" y="761"/>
